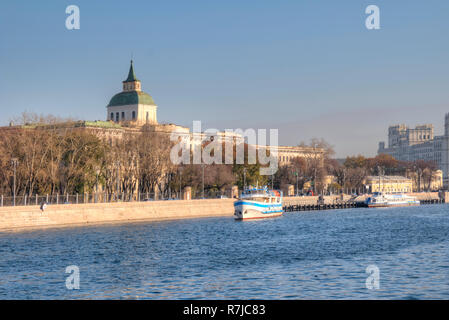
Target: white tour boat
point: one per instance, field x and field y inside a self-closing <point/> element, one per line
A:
<point x="258" y="203"/>
<point x="379" y="199"/>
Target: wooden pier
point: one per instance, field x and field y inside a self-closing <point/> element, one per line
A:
<point x="432" y="201"/>
<point x="311" y="207"/>
<point x="341" y="205"/>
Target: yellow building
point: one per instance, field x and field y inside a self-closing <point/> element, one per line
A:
<point x="437" y="180"/>
<point x="390" y="184"/>
<point x="423" y="184"/>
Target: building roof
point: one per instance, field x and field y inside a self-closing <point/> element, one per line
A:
<point x="388" y="178"/>
<point x="131" y="75"/>
<point x="131" y="97"/>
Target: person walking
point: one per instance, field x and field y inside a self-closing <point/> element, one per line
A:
<point x="43" y="206"/>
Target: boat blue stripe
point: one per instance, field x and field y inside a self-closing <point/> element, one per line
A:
<point x="272" y="211"/>
<point x="258" y="204"/>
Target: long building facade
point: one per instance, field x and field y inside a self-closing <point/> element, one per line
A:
<point x="133" y="107"/>
<point x="419" y="143"/>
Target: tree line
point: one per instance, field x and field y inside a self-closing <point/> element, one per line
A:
<point x="60" y="159"/>
<point x="314" y="175"/>
<point x="56" y="157"/>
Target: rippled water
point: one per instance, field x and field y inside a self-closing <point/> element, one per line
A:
<point x="307" y="255"/>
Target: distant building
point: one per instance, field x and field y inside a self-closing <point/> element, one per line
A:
<point x="433" y="183"/>
<point x="132" y="104"/>
<point x="389" y="184"/>
<point x="286" y="154"/>
<point x="419" y="144"/>
<point x="437" y="181"/>
<point x="131" y="109"/>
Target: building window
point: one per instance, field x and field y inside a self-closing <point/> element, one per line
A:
<point x="148" y="116"/>
<point x="123" y="116"/>
<point x="134" y="115"/>
<point x="112" y="116"/>
<point x="117" y="117"/>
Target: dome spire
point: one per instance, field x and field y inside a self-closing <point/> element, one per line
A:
<point x="132" y="104"/>
<point x="131" y="75"/>
<point x="131" y="83"/>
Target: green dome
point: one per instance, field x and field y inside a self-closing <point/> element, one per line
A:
<point x="131" y="97"/>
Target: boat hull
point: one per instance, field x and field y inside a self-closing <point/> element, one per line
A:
<point x="387" y="205"/>
<point x="245" y="210"/>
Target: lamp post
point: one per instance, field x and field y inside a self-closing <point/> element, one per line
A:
<point x="202" y="163"/>
<point x="180" y="182"/>
<point x="117" y="164"/>
<point x="379" y="168"/>
<point x="96" y="184"/>
<point x="14" y="163"/>
<point x="202" y="166"/>
<point x="419" y="179"/>
<point x="244" y="178"/>
<point x="296" y="174"/>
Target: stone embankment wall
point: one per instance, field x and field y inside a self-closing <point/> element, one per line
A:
<point x="426" y="195"/>
<point x="31" y="217"/>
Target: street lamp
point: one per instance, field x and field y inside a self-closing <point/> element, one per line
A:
<point x="296" y="174"/>
<point x="244" y="178"/>
<point x="202" y="162"/>
<point x="419" y="179"/>
<point x="180" y="182"/>
<point x="380" y="170"/>
<point x="96" y="183"/>
<point x="202" y="166"/>
<point x="117" y="163"/>
<point x="14" y="163"/>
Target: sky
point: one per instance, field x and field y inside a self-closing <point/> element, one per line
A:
<point x="307" y="68"/>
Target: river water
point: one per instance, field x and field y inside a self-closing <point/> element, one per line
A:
<point x="306" y="255"/>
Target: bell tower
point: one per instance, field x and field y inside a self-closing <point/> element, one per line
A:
<point x="132" y="104"/>
<point x="131" y="83"/>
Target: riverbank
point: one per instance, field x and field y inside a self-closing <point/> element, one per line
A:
<point x="70" y="215"/>
<point x="56" y="216"/>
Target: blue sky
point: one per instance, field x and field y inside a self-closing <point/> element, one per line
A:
<point x="308" y="68"/>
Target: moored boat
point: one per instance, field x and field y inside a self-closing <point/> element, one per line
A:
<point x="258" y="204"/>
<point x="379" y="199"/>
